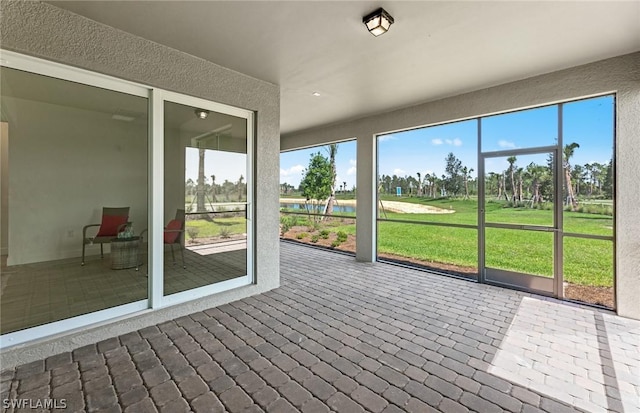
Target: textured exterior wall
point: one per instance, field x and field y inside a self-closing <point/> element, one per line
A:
<point x="620" y="74"/>
<point x="45" y="31"/>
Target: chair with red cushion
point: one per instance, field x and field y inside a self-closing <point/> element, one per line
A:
<point x="114" y="221"/>
<point x="173" y="234"/>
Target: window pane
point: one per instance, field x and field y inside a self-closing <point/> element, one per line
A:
<point x="588" y="271"/>
<point x="522" y="129"/>
<point x="205" y="198"/>
<point x="429" y="174"/>
<point x="527" y="252"/>
<point x="70" y="151"/>
<point x="588" y="134"/>
<point x="318" y="207"/>
<point x="445" y="249"/>
<point x="519" y="190"/>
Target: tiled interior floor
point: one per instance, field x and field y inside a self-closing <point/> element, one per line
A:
<point x="344" y="336"/>
<point x="35" y="294"/>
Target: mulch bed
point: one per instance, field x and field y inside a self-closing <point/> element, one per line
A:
<point x="601" y="296"/>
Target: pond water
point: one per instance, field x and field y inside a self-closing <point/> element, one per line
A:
<point x="336" y="208"/>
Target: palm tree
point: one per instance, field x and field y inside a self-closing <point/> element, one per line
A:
<point x="240" y="188"/>
<point x="200" y="189"/>
<point x="512" y="161"/>
<point x="537" y="174"/>
<point x="520" y="170"/>
<point x="567" y="154"/>
<point x="419" y="184"/>
<point x="333" y="150"/>
<point x="466" y="174"/>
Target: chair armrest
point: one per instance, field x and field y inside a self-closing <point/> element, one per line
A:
<point x="84" y="229"/>
<point x="144" y="231"/>
<point x="123" y="226"/>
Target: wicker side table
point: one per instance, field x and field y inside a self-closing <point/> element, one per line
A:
<point x="124" y="253"/>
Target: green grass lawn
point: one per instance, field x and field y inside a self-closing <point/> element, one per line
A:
<point x="586" y="262"/>
<point x="217" y="227"/>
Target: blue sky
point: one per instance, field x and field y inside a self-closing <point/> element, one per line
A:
<point x="587" y="122"/>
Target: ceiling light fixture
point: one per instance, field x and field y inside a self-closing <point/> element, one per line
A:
<point x="378" y="22"/>
<point x="316" y="93"/>
<point x="202" y="113"/>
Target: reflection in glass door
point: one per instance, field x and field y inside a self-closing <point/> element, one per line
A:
<point x="207" y="190"/>
<point x="520" y="218"/>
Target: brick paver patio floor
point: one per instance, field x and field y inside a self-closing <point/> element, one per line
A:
<point x="349" y="337"/>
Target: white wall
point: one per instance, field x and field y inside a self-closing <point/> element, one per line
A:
<point x="620" y="74"/>
<point x="66" y="164"/>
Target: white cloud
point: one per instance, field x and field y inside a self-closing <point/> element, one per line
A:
<point x="294" y="170"/>
<point x="385" y="138"/>
<point x="399" y="172"/>
<point x="453" y="142"/>
<point x="352" y="170"/>
<point x="506" y="144"/>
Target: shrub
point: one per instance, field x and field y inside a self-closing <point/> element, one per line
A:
<point x="225" y="233"/>
<point x="342" y="236"/>
<point x="314" y="238"/>
<point x="324" y="234"/>
<point x="192" y="232"/>
<point x="301" y="235"/>
<point x="285" y="225"/>
<point x="335" y="243"/>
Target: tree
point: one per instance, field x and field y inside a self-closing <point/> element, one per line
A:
<point x="333" y="150"/>
<point x="607" y="184"/>
<point x="466" y="174"/>
<point x="578" y="174"/>
<point x="213" y="188"/>
<point x="453" y="181"/>
<point x="189" y="187"/>
<point x="317" y="179"/>
<point x="512" y="161"/>
<point x="520" y="192"/>
<point x="419" y="184"/>
<point x="240" y="187"/>
<point x="567" y="153"/>
<point x="537" y="174"/>
<point x="200" y="190"/>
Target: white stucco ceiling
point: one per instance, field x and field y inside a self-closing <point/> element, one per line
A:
<point x="435" y="49"/>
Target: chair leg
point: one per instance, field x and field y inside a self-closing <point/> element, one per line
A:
<point x="83" y="245"/>
<point x="182" y="253"/>
<point x="101" y="251"/>
<point x="172" y="254"/>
